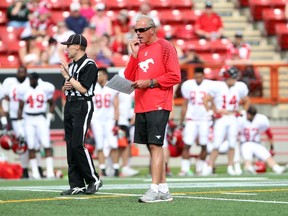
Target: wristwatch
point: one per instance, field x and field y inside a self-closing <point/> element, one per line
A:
<point x="151" y="84"/>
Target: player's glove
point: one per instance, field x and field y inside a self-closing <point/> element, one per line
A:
<point x="50" y="117"/>
<point x="115" y="130"/>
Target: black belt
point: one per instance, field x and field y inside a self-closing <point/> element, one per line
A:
<point x="77" y="98"/>
<point x="35" y="114"/>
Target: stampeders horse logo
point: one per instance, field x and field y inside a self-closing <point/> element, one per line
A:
<point x="144" y="65"/>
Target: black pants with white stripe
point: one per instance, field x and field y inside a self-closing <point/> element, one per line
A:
<point x="77" y="118"/>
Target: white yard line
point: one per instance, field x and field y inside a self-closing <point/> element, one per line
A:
<point x="233" y="200"/>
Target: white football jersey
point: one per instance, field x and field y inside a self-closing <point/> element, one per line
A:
<point x="228" y="98"/>
<point x="2" y="93"/>
<point x="10" y="85"/>
<point x="251" y="131"/>
<point x="195" y="94"/>
<point x="35" y="99"/>
<point x="103" y="103"/>
<point x="125" y="107"/>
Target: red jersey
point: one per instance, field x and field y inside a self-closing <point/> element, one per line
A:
<point x="209" y="23"/>
<point x="155" y="61"/>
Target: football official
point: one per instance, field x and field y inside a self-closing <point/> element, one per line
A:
<point x="80" y="78"/>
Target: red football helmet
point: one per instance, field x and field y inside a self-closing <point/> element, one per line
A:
<point x="90" y="148"/>
<point x="175" y="143"/>
<point x="229" y="72"/>
<point x="260" y="166"/>
<point x="19" y="146"/>
<point x="6" y="141"/>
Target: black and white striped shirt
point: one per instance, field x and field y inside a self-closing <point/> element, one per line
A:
<point x="84" y="71"/>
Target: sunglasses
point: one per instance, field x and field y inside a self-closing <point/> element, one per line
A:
<point x="141" y="30"/>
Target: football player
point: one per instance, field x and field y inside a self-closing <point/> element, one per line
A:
<point x="226" y="96"/>
<point x="33" y="100"/>
<point x="104" y="123"/>
<point x="10" y="85"/>
<point x="251" y="125"/>
<point x="196" y="119"/>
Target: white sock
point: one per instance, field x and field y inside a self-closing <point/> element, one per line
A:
<point x="49" y="167"/>
<point x="199" y="165"/>
<point x="116" y="166"/>
<point x="34" y="168"/>
<point x="102" y="166"/>
<point x="24" y="159"/>
<point x="163" y="187"/>
<point x="185" y="165"/>
<point x="155" y="187"/>
<point x="39" y="158"/>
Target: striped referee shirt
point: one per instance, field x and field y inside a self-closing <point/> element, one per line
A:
<point x="86" y="74"/>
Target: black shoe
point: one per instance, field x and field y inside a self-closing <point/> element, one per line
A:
<point x="93" y="187"/>
<point x="116" y="172"/>
<point x="74" y="191"/>
<point x="103" y="172"/>
<point x="41" y="172"/>
<point x="25" y="174"/>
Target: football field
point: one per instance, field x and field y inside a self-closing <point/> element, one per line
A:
<point x="263" y="194"/>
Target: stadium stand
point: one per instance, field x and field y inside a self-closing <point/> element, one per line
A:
<point x="271" y="17"/>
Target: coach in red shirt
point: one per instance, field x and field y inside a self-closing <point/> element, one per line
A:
<point x="154" y="70"/>
<point x="209" y="24"/>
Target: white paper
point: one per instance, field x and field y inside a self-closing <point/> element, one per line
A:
<point x="120" y="84"/>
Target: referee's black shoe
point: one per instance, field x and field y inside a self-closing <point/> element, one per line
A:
<point x="93" y="187"/>
<point x="74" y="191"/>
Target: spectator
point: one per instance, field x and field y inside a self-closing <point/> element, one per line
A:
<point x="238" y="51"/>
<point x="89" y="33"/>
<point x="251" y="125"/>
<point x="120" y="28"/>
<point x="86" y="9"/>
<point x="209" y="24"/>
<point x="29" y="53"/>
<point x="62" y="34"/>
<point x="18" y="14"/>
<point x="101" y="20"/>
<point x="75" y="21"/>
<point x="145" y="9"/>
<point x="100" y="51"/>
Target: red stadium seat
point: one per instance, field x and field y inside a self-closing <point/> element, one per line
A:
<point x="116" y="4"/>
<point x="3" y="18"/>
<point x="219" y="46"/>
<point x="279" y="3"/>
<point x="120" y="60"/>
<point x="58" y="16"/>
<point x="185" y="32"/>
<point x="60" y="4"/>
<point x="281" y="30"/>
<point x="187" y="4"/>
<point x="3" y="47"/>
<point x="244" y="3"/>
<point x="11" y="39"/>
<point x="4" y="4"/>
<point x="134" y="4"/>
<point x="171" y="16"/>
<point x="9" y="61"/>
<point x="198" y="45"/>
<point x="160" y="4"/>
<point x="256" y="8"/>
<point x="213" y="58"/>
<point x="272" y="16"/>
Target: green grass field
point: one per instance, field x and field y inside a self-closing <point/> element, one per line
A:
<point x="264" y="194"/>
